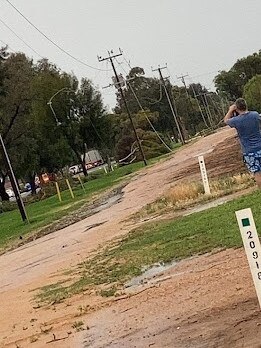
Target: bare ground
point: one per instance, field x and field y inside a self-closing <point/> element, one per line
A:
<point x="208" y="301"/>
<point x="205" y="302"/>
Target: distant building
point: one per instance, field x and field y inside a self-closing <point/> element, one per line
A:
<point x="93" y="158"/>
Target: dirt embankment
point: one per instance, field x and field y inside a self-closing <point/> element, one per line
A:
<point x="205" y="302"/>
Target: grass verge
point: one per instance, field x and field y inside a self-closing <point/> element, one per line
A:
<point x="50" y="211"/>
<point x="187" y="194"/>
<point x="163" y="241"/>
<point x="47" y="211"/>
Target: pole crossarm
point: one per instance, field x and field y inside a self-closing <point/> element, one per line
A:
<point x="110" y="57"/>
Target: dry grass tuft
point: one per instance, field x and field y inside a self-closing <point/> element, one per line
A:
<point x="230" y="184"/>
<point x="186" y="194"/>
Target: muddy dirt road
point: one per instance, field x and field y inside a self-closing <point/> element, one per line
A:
<point x="147" y="314"/>
<point x="199" y="303"/>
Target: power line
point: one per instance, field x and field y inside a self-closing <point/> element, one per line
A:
<point x="170" y="103"/>
<point x="198" y="103"/>
<point x="6" y="44"/>
<point x="207" y="73"/>
<point x="204" y="102"/>
<point x="141" y="107"/>
<point x="154" y="101"/>
<point x="31" y="48"/>
<point x="182" y="78"/>
<point x="110" y="58"/>
<point x="147" y="118"/>
<point x="160" y="97"/>
<point x="127" y="62"/>
<point x="50" y="40"/>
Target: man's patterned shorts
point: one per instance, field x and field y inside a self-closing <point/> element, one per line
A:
<point x="253" y="161"/>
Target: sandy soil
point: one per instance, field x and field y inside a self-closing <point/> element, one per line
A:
<point x="205" y="302"/>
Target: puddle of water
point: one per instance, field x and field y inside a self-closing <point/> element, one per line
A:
<point x="108" y="203"/>
<point x="212" y="204"/>
<point x="148" y="273"/>
<point x="204" y="153"/>
<point x="94" y="225"/>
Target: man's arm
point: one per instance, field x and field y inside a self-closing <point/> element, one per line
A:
<point x="230" y="113"/>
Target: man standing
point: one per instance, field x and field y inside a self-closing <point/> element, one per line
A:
<point x="247" y="124"/>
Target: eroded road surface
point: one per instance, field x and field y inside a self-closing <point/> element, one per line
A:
<point x="195" y="306"/>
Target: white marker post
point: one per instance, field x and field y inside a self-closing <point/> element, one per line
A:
<point x="252" y="246"/>
<point x="204" y="176"/>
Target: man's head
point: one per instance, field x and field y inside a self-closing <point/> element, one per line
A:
<point x="241" y="105"/>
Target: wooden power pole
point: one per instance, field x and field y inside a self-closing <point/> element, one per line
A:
<point x="170" y="104"/>
<point x="14" y="184"/>
<point x="119" y="87"/>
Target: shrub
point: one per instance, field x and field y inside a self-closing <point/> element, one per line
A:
<point x="7" y="206"/>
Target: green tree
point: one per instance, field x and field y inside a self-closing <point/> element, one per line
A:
<point x="151" y="96"/>
<point x="252" y="93"/>
<point x="46" y="119"/>
<point x="16" y="72"/>
<point x="81" y="116"/>
<point x="51" y="147"/>
<point x="231" y="83"/>
<point x="125" y="139"/>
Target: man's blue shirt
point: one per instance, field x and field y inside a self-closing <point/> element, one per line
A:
<point x="248" y="129"/>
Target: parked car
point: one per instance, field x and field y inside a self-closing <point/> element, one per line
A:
<point x="10" y="193"/>
<point x="27" y="187"/>
<point x="89" y="166"/>
<point x="75" y="169"/>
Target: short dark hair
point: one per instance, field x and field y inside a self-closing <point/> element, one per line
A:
<point x="241" y="104"/>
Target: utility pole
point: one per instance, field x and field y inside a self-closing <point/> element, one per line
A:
<point x="119" y="86"/>
<point x="217" y="107"/>
<point x="206" y="106"/>
<point x="12" y="178"/>
<point x="199" y="106"/>
<point x="170" y="103"/>
<point x="182" y="78"/>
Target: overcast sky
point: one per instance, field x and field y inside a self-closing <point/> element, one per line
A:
<point x="195" y="37"/>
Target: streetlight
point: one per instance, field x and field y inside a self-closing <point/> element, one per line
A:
<point x="50" y="103"/>
<point x="12" y="178"/>
<point x="64" y="89"/>
<point x="58" y="123"/>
